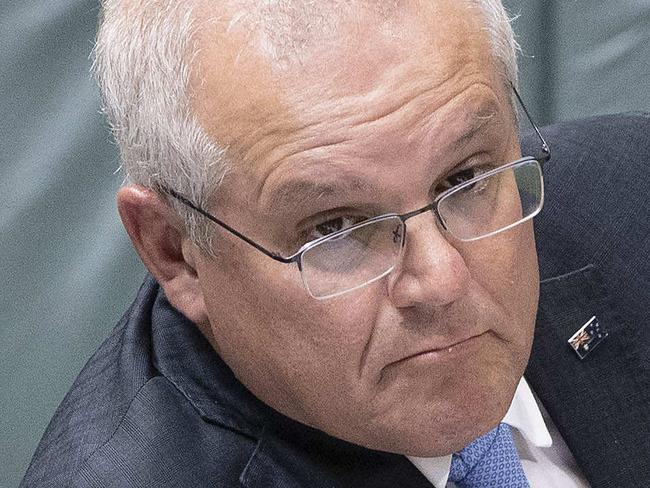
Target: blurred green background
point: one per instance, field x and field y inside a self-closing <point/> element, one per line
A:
<point x="67" y="269"/>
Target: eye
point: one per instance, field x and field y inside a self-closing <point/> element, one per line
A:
<point x="461" y="177"/>
<point x="332" y="225"/>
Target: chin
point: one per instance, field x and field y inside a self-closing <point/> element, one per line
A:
<point x="448" y="438"/>
<point x="427" y="430"/>
<point x="444" y="419"/>
<point x="445" y="437"/>
<point x="435" y="440"/>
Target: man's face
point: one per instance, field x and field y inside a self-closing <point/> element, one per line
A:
<point x="377" y="120"/>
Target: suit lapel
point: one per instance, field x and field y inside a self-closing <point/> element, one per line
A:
<point x="598" y="403"/>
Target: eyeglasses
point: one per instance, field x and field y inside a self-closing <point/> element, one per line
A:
<point x="355" y="256"/>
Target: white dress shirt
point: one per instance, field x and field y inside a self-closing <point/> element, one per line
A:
<point x="544" y="455"/>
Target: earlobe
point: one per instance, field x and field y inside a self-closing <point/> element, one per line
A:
<point x="157" y="234"/>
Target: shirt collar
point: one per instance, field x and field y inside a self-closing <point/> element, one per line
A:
<point x="524" y="415"/>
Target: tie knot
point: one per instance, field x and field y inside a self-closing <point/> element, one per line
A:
<point x="490" y="460"/>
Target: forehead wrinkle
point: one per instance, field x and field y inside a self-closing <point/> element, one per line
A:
<point x="390" y="96"/>
<point x="458" y="121"/>
<point x="419" y="107"/>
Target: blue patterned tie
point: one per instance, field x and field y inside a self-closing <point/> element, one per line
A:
<point x="489" y="461"/>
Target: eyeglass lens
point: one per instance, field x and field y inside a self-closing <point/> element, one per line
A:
<point x="494" y="203"/>
<point x="353" y="259"/>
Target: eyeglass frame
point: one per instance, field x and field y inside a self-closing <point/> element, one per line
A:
<point x="433" y="206"/>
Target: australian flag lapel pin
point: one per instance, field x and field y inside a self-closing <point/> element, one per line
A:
<point x="587" y="337"/>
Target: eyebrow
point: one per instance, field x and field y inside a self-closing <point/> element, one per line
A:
<point x="480" y="122"/>
<point x="299" y="192"/>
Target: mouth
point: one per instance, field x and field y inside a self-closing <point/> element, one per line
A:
<point x="449" y="351"/>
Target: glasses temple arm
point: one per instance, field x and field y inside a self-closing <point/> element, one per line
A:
<point x="545" y="147"/>
<point x="235" y="232"/>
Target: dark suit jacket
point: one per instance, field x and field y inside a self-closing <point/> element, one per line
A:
<point x="156" y="406"/>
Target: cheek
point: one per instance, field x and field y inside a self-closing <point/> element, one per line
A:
<point x="290" y="350"/>
<point x="505" y="266"/>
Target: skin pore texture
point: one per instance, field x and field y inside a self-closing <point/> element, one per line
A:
<point x="372" y="117"/>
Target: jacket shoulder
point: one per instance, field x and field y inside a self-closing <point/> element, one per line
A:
<point x="162" y="440"/>
<point x="89" y="413"/>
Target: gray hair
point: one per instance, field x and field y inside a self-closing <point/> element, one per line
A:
<point x="143" y="59"/>
<point x="504" y="44"/>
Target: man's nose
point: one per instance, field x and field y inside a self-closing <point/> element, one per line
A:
<point x="432" y="271"/>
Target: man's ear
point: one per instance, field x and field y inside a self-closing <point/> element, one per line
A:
<point x="157" y="234"/>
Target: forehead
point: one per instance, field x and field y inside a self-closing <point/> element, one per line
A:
<point x="361" y="66"/>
